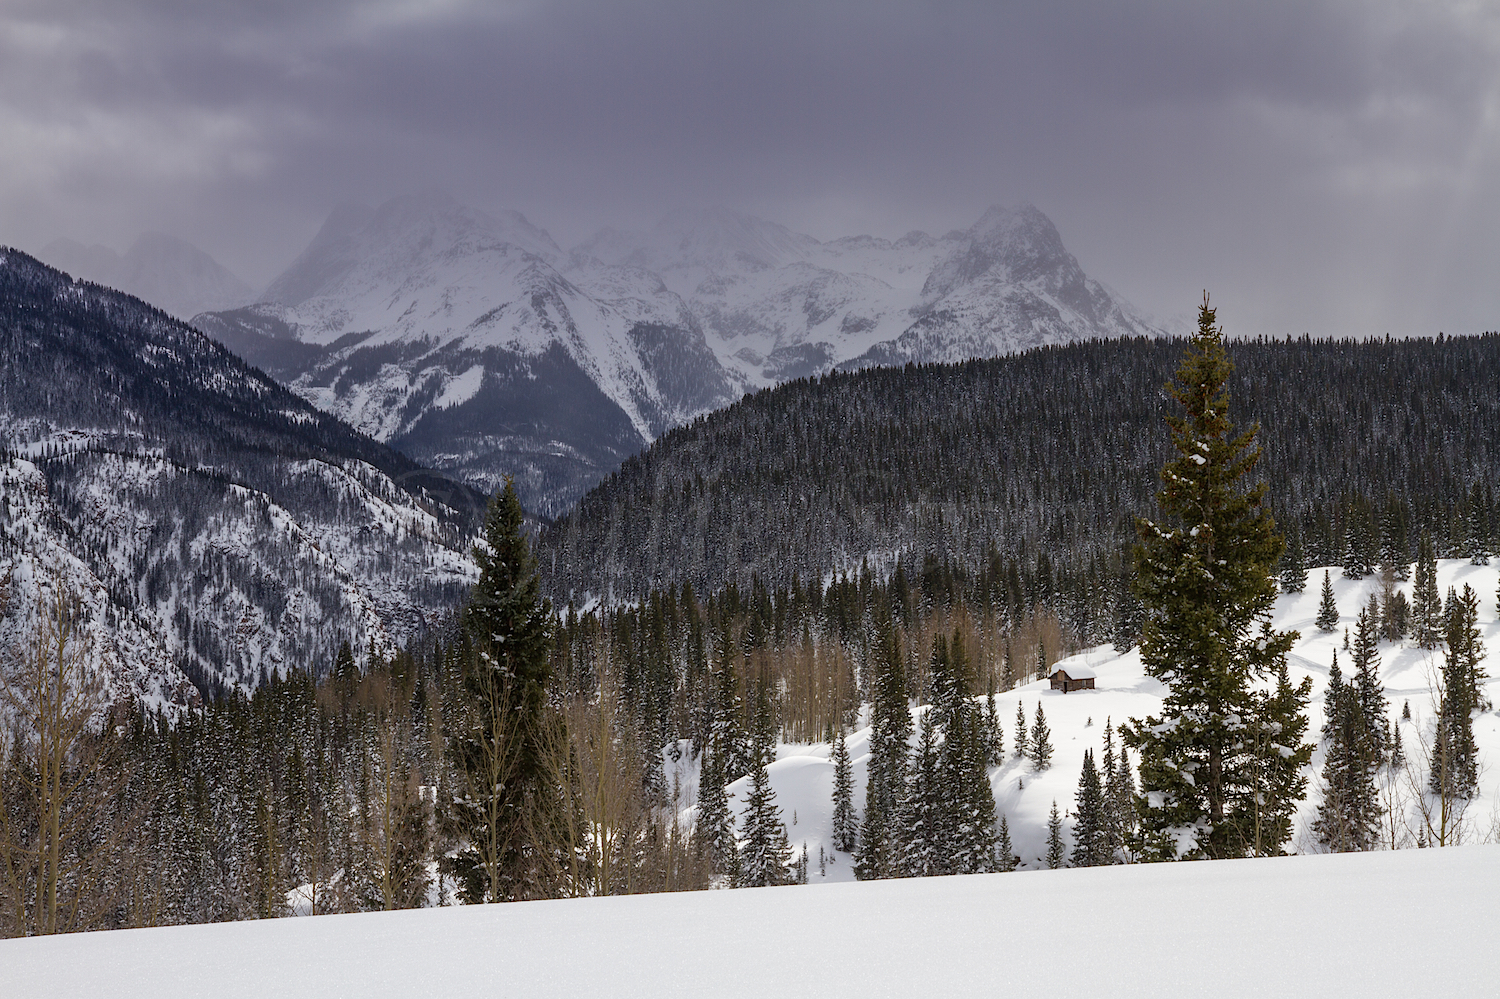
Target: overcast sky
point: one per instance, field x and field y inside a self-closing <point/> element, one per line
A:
<point x="1321" y="167"/>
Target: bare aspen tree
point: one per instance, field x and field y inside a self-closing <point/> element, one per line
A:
<point x="60" y="776"/>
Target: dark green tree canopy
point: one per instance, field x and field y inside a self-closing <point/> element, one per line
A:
<point x="1205" y="573"/>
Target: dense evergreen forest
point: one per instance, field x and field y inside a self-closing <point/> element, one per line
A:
<point x="1043" y="458"/>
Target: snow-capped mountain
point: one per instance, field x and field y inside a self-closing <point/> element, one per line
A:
<point x="778" y="305"/>
<point x="472" y="343"/>
<point x="171" y="274"/>
<point x="216" y="528"/>
<point x="455" y="336"/>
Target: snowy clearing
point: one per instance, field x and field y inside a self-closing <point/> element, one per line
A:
<point x="1401" y="924"/>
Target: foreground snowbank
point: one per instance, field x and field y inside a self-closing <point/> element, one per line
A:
<point x="1399" y="924"/>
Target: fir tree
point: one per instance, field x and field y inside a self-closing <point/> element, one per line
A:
<point x="967" y="812"/>
<point x="1328" y="611"/>
<point x="1091" y="827"/>
<point x="1056" y="851"/>
<point x="1359" y="542"/>
<point x="923" y="836"/>
<point x="994" y="731"/>
<point x="1007" y="853"/>
<point x="1122" y="801"/>
<point x="1478" y="542"/>
<point x="1205" y="575"/>
<point x="1280" y="759"/>
<point x="1350" y="810"/>
<point x="1427" y="602"/>
<point x="1394" y="549"/>
<point x="1369" y="693"/>
<point x="1128" y="610"/>
<point x="509" y="810"/>
<point x="878" y="855"/>
<point x="845" y="826"/>
<point x="765" y="852"/>
<point x="1041" y="741"/>
<point x="714" y="834"/>
<point x="1455" y="764"/>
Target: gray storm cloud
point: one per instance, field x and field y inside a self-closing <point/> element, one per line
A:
<point x="1322" y="167"/>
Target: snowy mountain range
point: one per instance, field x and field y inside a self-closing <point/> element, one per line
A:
<point x="215" y="528"/>
<point x="474" y="344"/>
<point x="171" y="274"/>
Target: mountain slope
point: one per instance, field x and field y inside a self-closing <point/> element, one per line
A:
<point x="230" y="529"/>
<point x="1051" y="453"/>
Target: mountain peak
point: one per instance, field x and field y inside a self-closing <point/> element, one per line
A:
<point x="404" y="230"/>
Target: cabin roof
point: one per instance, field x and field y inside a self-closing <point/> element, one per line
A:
<point x="1075" y="671"/>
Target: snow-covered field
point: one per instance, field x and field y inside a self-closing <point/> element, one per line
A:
<point x="803" y="776"/>
<point x="1403" y="924"/>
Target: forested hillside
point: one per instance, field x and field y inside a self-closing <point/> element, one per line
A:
<point x="217" y="527"/>
<point x="1042" y="459"/>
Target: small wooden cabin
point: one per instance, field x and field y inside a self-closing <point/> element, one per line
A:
<point x="1074" y="676"/>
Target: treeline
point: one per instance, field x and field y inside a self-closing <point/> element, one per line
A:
<point x="1054" y="450"/>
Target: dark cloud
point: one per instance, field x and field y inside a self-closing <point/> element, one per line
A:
<point x="1328" y="167"/>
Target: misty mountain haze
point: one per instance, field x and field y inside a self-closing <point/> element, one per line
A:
<point x="171" y="274"/>
<point x="474" y="344"/>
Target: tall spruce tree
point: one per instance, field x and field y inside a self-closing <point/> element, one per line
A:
<point x="765" y="853"/>
<point x="845" y="826"/>
<point x="1427" y="601"/>
<point x="1280" y="760"/>
<point x="714" y="827"/>
<point x="1091" y="827"/>
<point x="1041" y="741"/>
<point x="508" y="811"/>
<point x="1478" y="541"/>
<point x="877" y="855"/>
<point x="1328" y="610"/>
<point x="1023" y="741"/>
<point x="1348" y="816"/>
<point x="1206" y="578"/>
<point x="1057" y="852"/>
<point x="1455" y="763"/>
<point x="1128" y="610"/>
<point x="924" y="834"/>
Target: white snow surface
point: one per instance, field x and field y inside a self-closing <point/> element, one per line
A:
<point x="1409" y="923"/>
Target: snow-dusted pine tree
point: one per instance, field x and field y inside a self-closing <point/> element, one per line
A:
<point x="1328" y="610"/>
<point x="1041" y="741"/>
<point x="1090" y="828"/>
<point x="765" y="853"/>
<point x="1205" y="572"/>
<point x="845" y="825"/>
<point x="1056" y="851"/>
